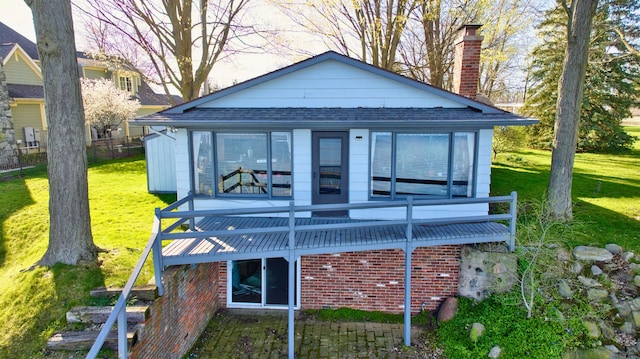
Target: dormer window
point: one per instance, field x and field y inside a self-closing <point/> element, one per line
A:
<point x="126" y="83"/>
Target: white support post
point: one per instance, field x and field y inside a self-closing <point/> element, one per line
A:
<point x="407" y="295"/>
<point x="123" y="346"/>
<point x="407" y="273"/>
<point x="291" y="310"/>
<point x="291" y="287"/>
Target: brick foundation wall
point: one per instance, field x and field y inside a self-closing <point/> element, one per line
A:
<point x="178" y="318"/>
<point x="374" y="280"/>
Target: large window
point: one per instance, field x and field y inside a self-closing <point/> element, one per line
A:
<point x="422" y="164"/>
<point x="244" y="164"/>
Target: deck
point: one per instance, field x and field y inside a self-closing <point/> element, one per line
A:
<point x="317" y="236"/>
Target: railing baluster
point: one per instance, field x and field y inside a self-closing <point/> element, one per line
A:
<point x="513" y="209"/>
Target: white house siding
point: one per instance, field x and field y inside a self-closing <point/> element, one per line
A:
<point x="182" y="163"/>
<point x="483" y="177"/>
<point x="331" y="84"/>
<point x="161" y="164"/>
<point x="358" y="166"/>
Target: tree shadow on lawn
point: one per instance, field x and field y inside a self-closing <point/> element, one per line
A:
<point x="15" y="196"/>
<point x="593" y="224"/>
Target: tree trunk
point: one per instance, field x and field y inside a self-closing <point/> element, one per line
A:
<point x="70" y="239"/>
<point x="570" y="89"/>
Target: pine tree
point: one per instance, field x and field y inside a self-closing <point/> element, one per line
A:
<point x="612" y="83"/>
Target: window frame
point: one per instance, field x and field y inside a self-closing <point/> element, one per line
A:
<point x="450" y="163"/>
<point x="214" y="153"/>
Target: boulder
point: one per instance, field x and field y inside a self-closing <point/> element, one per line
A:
<point x="564" y="289"/>
<point x="597" y="295"/>
<point x="592" y="254"/>
<point x="448" y="309"/>
<point x="476" y="332"/>
<point x="592" y="329"/>
<point x="627" y="256"/>
<point x="576" y="268"/>
<point x="613" y="248"/>
<point x="596" y="271"/>
<point x="494" y="352"/>
<point x="636" y="281"/>
<point x="563" y="255"/>
<point x="588" y="282"/>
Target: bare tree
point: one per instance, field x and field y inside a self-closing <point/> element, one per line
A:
<point x="370" y="30"/>
<point x="570" y="91"/>
<point x="182" y="39"/>
<point x="70" y="238"/>
<point x="427" y="50"/>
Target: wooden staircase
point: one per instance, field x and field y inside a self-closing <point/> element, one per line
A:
<point x="87" y="321"/>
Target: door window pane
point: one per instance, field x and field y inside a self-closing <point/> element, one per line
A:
<point x="277" y="281"/>
<point x="281" y="164"/>
<point x="242" y="163"/>
<point x="330" y="165"/>
<point x="203" y="163"/>
<point x="246" y="284"/>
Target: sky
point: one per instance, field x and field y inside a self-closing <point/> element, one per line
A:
<point x="17" y="15"/>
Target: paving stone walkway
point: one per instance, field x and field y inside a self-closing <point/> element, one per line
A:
<point x="265" y="336"/>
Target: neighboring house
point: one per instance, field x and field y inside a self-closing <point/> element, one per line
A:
<point x="24" y="82"/>
<point x="334" y="130"/>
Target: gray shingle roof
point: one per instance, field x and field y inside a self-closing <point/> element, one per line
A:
<point x="9" y="37"/>
<point x="333" y="118"/>
<point x="25" y="91"/>
<point x="149" y="98"/>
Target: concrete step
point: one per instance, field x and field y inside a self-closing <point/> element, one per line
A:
<point x="99" y="315"/>
<point x="147" y="293"/>
<point x="85" y="339"/>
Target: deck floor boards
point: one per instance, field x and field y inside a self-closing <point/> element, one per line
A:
<point x="319" y="241"/>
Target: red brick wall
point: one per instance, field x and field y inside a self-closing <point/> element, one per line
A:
<point x="374" y="280"/>
<point x="178" y="317"/>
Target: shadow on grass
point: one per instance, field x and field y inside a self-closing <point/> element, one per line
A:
<point x="15" y="196"/>
<point x="593" y="224"/>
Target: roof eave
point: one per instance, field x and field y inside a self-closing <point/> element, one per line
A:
<point x="332" y="125"/>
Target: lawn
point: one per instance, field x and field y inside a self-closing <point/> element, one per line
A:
<point x="33" y="302"/>
<point x="606" y="191"/>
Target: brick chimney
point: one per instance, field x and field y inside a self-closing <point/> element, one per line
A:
<point x="466" y="61"/>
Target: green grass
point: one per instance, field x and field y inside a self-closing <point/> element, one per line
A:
<point x="606" y="191"/>
<point x="506" y="325"/>
<point x="33" y="302"/>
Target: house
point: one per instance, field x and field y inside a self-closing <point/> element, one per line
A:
<point x="24" y="82"/>
<point x="333" y="183"/>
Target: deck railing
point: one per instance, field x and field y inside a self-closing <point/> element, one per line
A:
<point x="179" y="219"/>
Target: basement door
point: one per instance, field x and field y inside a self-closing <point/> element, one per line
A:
<point x="260" y="283"/>
<point x="330" y="168"/>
